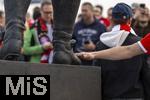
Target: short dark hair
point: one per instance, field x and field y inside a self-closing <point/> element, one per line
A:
<point x="111" y="8"/>
<point x="45" y="3"/>
<point x="124" y="21"/>
<point x="36" y="13"/>
<point x="88" y="4"/>
<point x="100" y="7"/>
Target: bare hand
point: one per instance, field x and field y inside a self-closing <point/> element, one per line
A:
<point x="91" y="46"/>
<point x="47" y="46"/>
<point x="85" y="55"/>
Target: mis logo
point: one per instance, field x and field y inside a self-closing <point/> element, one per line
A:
<point x="25" y="87"/>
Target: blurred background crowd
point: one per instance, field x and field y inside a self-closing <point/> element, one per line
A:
<point x="90" y="24"/>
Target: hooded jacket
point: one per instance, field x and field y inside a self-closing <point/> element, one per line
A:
<point x="120" y="79"/>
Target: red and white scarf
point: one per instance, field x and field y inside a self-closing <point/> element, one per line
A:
<point x="125" y="27"/>
<point x="43" y="31"/>
<point x="117" y="36"/>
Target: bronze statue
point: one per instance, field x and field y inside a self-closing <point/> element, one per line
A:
<point x="65" y="12"/>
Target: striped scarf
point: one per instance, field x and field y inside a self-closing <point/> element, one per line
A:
<point x="43" y="38"/>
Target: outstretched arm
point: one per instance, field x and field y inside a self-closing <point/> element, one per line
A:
<point x="121" y="52"/>
<point x="116" y="53"/>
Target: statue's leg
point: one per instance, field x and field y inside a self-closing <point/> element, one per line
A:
<point x="65" y="12"/>
<point x="15" y="11"/>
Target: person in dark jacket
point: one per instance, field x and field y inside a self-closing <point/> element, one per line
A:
<point x="123" y="53"/>
<point x="121" y="79"/>
<point x="87" y="31"/>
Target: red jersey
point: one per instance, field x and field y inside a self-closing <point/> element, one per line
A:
<point x="145" y="44"/>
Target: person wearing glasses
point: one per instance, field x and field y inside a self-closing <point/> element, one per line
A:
<point x="38" y="39"/>
<point x="65" y="12"/>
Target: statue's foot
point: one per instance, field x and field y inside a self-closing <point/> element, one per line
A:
<point x="65" y="57"/>
<point x="11" y="50"/>
<point x="63" y="53"/>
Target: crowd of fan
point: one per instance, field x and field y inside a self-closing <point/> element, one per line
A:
<point x="90" y="24"/>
